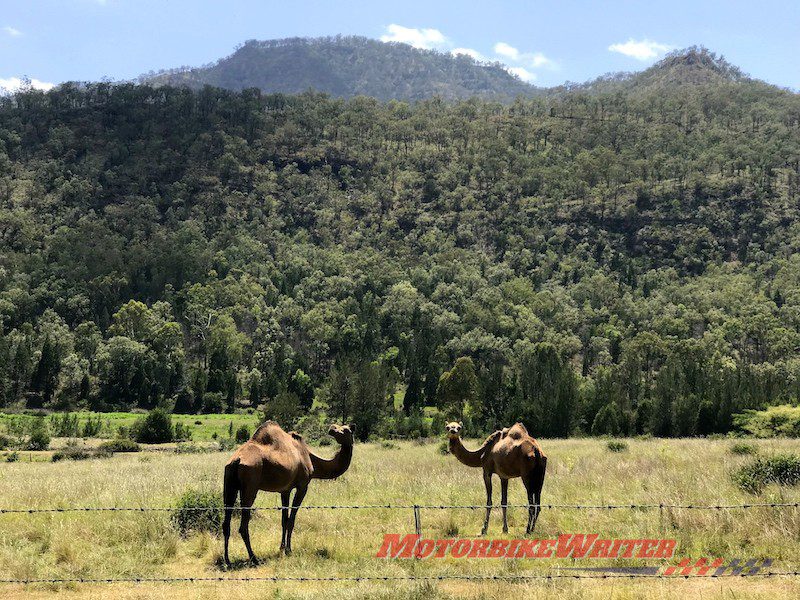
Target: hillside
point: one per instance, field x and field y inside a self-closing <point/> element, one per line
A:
<point x="689" y="68"/>
<point x="350" y="66"/>
<point x="600" y="262"/>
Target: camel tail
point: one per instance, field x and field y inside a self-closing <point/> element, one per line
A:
<point x="230" y="483"/>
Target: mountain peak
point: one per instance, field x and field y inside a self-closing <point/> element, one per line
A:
<point x="694" y="65"/>
<point x="347" y="66"/>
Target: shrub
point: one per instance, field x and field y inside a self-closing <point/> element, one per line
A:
<point x="12" y="457"/>
<point x="92" y="427"/>
<point x="743" y="448"/>
<point x="191" y="448"/>
<point x="616" y="446"/>
<point x="73" y="453"/>
<point x="39" y="435"/>
<point x="120" y="445"/>
<point x="389" y="445"/>
<point x="182" y="432"/>
<point x="155" y="428"/>
<point x="65" y="425"/>
<point x="5" y="441"/>
<point x="213" y="402"/>
<point x="444" y="448"/>
<point x="607" y="421"/>
<point x="198" y="510"/>
<point x="783" y="469"/>
<point x="774" y="421"/>
<point x="242" y="434"/>
<point x="226" y="444"/>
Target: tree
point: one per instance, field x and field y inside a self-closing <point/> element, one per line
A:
<point x="458" y="389"/>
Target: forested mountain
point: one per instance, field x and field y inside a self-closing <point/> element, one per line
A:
<point x="349" y="66"/>
<point x="622" y="261"/>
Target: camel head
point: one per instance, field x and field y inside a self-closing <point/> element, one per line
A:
<point x="454" y="429"/>
<point x="342" y="434"/>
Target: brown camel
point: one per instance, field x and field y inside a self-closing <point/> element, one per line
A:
<point x="508" y="453"/>
<point x="275" y="461"/>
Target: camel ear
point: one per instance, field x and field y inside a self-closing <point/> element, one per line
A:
<point x="460" y="424"/>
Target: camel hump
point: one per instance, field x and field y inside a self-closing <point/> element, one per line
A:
<point x="268" y="432"/>
<point x="516" y="432"/>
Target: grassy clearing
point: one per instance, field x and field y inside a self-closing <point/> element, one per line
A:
<point x="202" y="427"/>
<point x="344" y="542"/>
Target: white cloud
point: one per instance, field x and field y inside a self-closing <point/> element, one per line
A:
<point x="641" y="49"/>
<point x="531" y="60"/>
<point x="504" y="49"/>
<point x="13" y="84"/>
<point x="12" y="31"/>
<point x="522" y="73"/>
<point x="469" y="52"/>
<point x="426" y="39"/>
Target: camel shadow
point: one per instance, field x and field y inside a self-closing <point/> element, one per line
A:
<point x="244" y="563"/>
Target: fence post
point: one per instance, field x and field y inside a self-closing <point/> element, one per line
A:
<point x="417" y="520"/>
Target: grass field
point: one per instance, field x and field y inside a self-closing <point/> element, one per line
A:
<point x="344" y="542"/>
<point x="202" y="427"/>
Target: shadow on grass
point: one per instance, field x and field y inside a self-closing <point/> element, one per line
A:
<point x="244" y="563"/>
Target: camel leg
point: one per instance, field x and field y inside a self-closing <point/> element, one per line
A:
<point x="528" y="481"/>
<point x="504" y="502"/>
<point x="284" y="516"/>
<point x="538" y="482"/>
<point x="248" y="499"/>
<point x="229" y="493"/>
<point x="533" y="484"/>
<point x="487" y="481"/>
<point x="298" y="499"/>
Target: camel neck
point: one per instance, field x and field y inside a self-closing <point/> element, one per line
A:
<point x="332" y="468"/>
<point x="471" y="458"/>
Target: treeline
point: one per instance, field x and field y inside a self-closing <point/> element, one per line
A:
<point x="620" y="262"/>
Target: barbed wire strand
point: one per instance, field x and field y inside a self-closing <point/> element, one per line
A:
<point x="357" y="578"/>
<point x="397" y="507"/>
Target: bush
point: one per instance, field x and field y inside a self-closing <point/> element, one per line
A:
<point x="213" y="403"/>
<point x="39" y="435"/>
<point x="5" y="441"/>
<point x="120" y="445"/>
<point x="182" y="432"/>
<point x="191" y="448"/>
<point x="65" y="425"/>
<point x="226" y="444"/>
<point x="12" y="457"/>
<point x="73" y="453"/>
<point x="155" y="428"/>
<point x="783" y="469"/>
<point x="607" y="421"/>
<point x="743" y="448"/>
<point x="616" y="446"/>
<point x="198" y="510"/>
<point x="92" y="427"/>
<point x="773" y="422"/>
<point x="242" y="434"/>
<point x="444" y="448"/>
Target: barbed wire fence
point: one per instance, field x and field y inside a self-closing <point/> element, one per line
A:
<point x="417" y="508"/>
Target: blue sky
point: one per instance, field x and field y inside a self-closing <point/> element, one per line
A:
<point x="547" y="43"/>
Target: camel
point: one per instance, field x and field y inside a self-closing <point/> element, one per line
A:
<point x="275" y="461"/>
<point x="508" y="453"/>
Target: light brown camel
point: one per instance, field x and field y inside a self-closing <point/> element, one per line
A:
<point x="275" y="461"/>
<point x="508" y="453"/>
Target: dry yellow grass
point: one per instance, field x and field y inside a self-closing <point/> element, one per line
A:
<point x="344" y="542"/>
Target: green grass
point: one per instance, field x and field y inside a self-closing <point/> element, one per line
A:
<point x="203" y="427"/>
<point x="344" y="542"/>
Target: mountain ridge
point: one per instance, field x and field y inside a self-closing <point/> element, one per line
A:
<point x="347" y="66"/>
